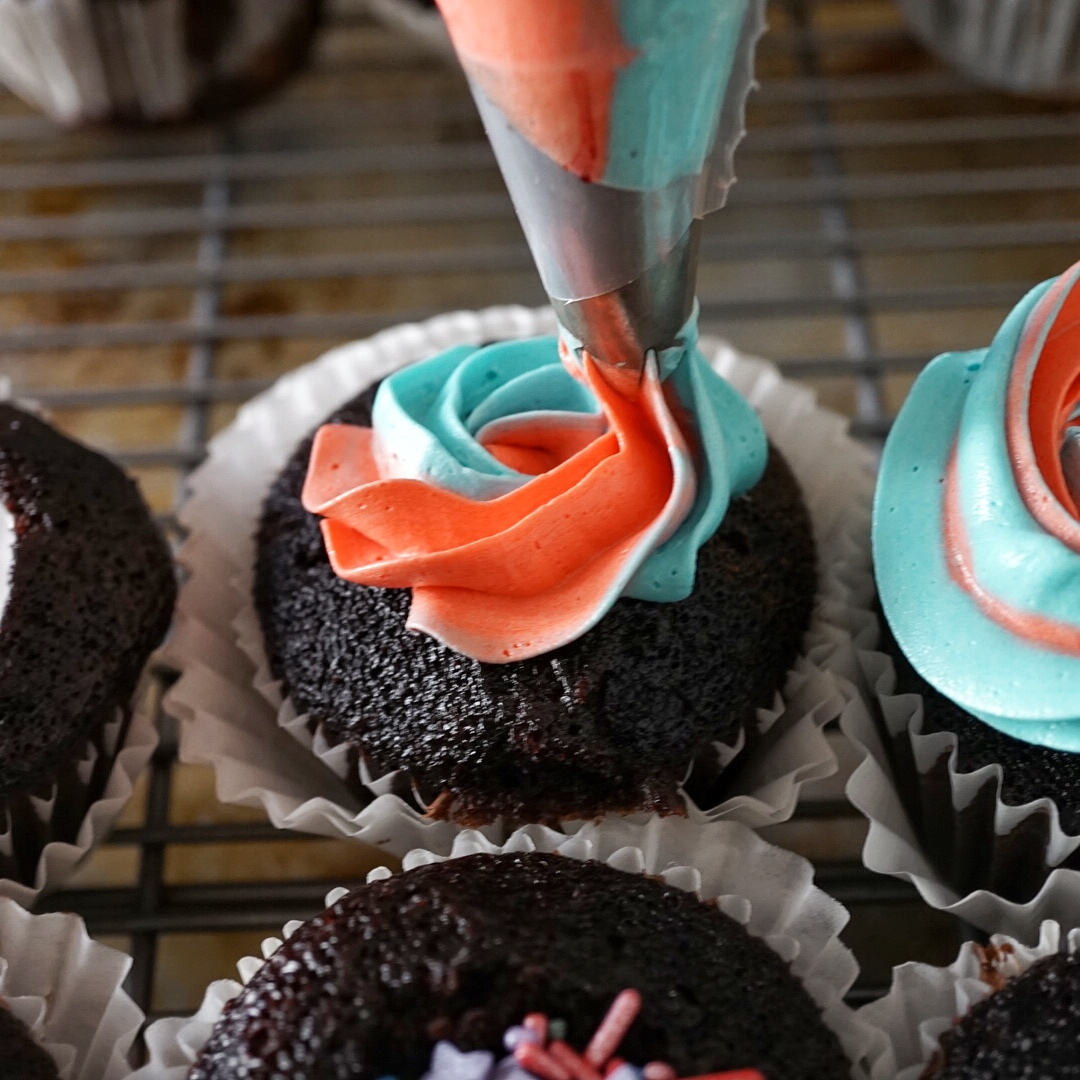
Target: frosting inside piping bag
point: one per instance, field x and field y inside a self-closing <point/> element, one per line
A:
<point x="976" y="533"/>
<point x="519" y="495"/>
<point x="614" y="122"/>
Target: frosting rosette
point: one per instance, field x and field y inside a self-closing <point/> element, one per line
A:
<point x="519" y="492"/>
<point x="977" y="529"/>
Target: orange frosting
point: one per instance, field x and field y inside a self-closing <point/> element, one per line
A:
<point x="521" y="574"/>
<point x="550" y="65"/>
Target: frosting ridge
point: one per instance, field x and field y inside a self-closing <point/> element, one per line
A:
<point x="976" y="536"/>
<point x="519" y="496"/>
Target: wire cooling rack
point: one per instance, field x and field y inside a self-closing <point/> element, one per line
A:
<point x="152" y="281"/>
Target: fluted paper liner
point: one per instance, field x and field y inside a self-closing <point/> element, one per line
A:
<point x="923" y="1000"/>
<point x="58" y="859"/>
<point x="769" y="890"/>
<point x="67" y="989"/>
<point x="1031" y="46"/>
<point x="231" y="712"/>
<point x="88" y="60"/>
<point x="991" y="848"/>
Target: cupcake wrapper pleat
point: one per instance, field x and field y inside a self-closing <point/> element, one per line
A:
<point x="140" y="61"/>
<point x="1002" y="868"/>
<point x="45" y="833"/>
<point x="1029" y="46"/>
<point x="924" y="1001"/>
<point x="68" y="990"/>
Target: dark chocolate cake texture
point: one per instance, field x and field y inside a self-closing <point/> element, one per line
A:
<point x="610" y="722"/>
<point x="1029" y="1029"/>
<point x="90" y="595"/>
<point x="461" y="951"/>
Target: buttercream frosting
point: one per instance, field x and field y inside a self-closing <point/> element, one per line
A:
<point x="976" y="531"/>
<point x="519" y="493"/>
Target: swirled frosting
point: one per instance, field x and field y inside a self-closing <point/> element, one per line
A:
<point x="519" y="496"/>
<point x="976" y="531"/>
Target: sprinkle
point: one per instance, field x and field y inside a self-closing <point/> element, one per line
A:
<point x="613" y="1027"/>
<point x="659" y="1070"/>
<point x="515" y="1036"/>
<point x="573" y="1062"/>
<point x="537" y="1023"/>
<point x="614" y="1064"/>
<point x="622" y="1071"/>
<point x="540" y="1062"/>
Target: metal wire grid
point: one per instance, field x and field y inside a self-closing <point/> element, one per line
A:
<point x="865" y="160"/>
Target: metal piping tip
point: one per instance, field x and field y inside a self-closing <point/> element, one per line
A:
<point x="619" y="327"/>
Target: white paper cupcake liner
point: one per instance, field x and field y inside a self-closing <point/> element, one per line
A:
<point x="1027" y="46"/>
<point x="88" y="60"/>
<point x="924" y="1001"/>
<point x="67" y="989"/>
<point x="59" y="859"/>
<point x="991" y="847"/>
<point x="230" y="708"/>
<point x="769" y="890"/>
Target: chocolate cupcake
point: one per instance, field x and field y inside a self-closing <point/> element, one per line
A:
<point x="151" y="61"/>
<point x="461" y="951"/>
<point x="450" y="964"/>
<point x="237" y="715"/>
<point x="1002" y="1011"/>
<point x="973" y="774"/>
<point x="610" y="720"/>
<point x="88" y="592"/>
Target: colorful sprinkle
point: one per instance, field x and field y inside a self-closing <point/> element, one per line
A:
<point x="539" y="1062"/>
<point x="613" y="1028"/>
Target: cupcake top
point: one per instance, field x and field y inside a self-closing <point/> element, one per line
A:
<point x="519" y="496"/>
<point x="977" y="527"/>
<point x="1026" y="1028"/>
<point x="21" y="1058"/>
<point x="86" y="592"/>
<point x="460" y="952"/>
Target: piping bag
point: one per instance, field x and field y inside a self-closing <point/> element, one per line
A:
<point x="614" y="123"/>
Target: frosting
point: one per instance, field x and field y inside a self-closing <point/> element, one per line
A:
<point x="538" y="1052"/>
<point x="7" y="555"/>
<point x="519" y="496"/>
<point x="624" y="92"/>
<point x="976" y="529"/>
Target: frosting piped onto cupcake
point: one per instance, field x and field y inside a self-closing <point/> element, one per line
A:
<point x="976" y="527"/>
<point x="519" y="496"/>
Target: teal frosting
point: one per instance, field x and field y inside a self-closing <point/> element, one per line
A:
<point x="1027" y="690"/>
<point x="666" y="102"/>
<point x="429" y="419"/>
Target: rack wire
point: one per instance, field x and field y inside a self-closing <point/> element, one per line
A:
<point x="152" y="281"/>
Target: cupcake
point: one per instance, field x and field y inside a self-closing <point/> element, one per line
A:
<point x="542" y="621"/>
<point x="294" y="650"/>
<point x="1000" y="1011"/>
<point x="63" y="1012"/>
<point x="502" y="960"/>
<point x="88" y="592"/>
<point x="150" y="61"/>
<point x="973" y="778"/>
<point x="1030" y="48"/>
